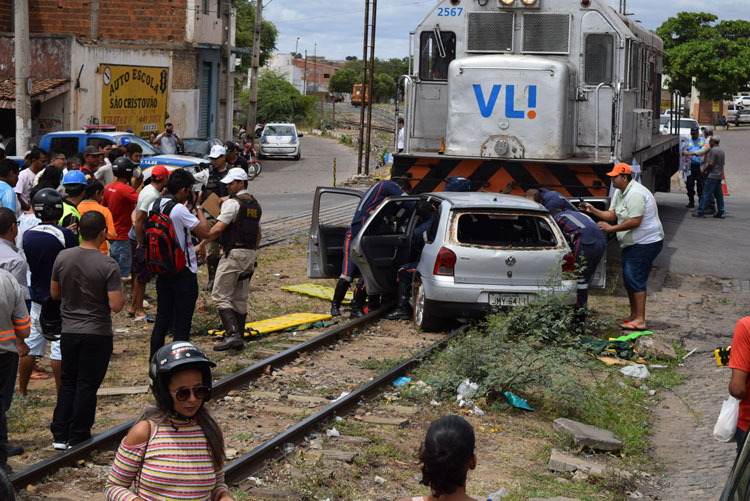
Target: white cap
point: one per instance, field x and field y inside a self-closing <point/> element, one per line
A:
<point x="217" y="150"/>
<point x="234" y="174"/>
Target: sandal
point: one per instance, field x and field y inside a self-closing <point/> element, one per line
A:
<point x="630" y="326"/>
<point x="38" y="376"/>
<point x="147" y="317"/>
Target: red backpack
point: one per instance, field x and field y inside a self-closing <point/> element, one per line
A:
<point x="164" y="256"/>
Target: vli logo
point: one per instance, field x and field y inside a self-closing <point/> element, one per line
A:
<point x="486" y="107"/>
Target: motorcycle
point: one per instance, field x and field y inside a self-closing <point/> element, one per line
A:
<point x="253" y="165"/>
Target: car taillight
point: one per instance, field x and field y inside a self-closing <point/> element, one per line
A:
<point x="569" y="263"/>
<point x="444" y="263"/>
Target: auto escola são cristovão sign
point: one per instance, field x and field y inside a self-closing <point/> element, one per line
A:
<point x="134" y="97"/>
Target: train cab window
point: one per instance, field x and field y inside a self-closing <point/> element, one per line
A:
<point x="437" y="50"/>
<point x="599" y="58"/>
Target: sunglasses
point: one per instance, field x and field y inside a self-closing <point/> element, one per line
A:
<point x="200" y="392"/>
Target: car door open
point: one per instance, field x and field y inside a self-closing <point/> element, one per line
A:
<point x="332" y="212"/>
<point x="383" y="243"/>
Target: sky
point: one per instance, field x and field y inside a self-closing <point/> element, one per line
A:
<point x="336" y="26"/>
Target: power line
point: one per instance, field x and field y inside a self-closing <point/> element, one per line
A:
<point x="360" y="11"/>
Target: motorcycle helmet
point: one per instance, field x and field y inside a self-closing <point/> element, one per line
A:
<point x="74" y="177"/>
<point x="172" y="358"/>
<point x="50" y="320"/>
<point x="123" y="167"/>
<point x="48" y="204"/>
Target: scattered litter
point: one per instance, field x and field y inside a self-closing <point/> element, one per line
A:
<point x="339" y="418"/>
<point x="434" y="402"/>
<point x="256" y="480"/>
<point x="465" y="391"/>
<point x="636" y="495"/>
<point x="476" y="410"/>
<point x="651" y="393"/>
<point x="379" y="480"/>
<point x="637" y="371"/>
<point x="313" y="436"/>
<point x="691" y="352"/>
<point x="517" y="401"/>
<point x="228" y="399"/>
<point x="658" y="366"/>
<point x="122" y="330"/>
<point x="501" y="494"/>
<point x="610" y="360"/>
<point x="288" y="448"/>
<point x="333" y="432"/>
<point x="401" y="381"/>
<point x="343" y="394"/>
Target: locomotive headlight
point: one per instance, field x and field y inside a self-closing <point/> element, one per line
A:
<point x="529" y="3"/>
<point x="507" y="2"/>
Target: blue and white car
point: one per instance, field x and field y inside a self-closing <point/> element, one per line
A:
<point x="280" y="140"/>
<point x="73" y="142"/>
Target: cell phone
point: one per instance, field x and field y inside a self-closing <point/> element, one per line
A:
<point x="581" y="202"/>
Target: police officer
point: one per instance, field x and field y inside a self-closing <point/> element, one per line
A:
<point x="238" y="226"/>
<point x="694" y="181"/>
<point x="218" y="171"/>
<point x="586" y="240"/>
<point x="702" y="155"/>
<point x="370" y="201"/>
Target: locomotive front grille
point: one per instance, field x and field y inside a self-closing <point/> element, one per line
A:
<point x="490" y="32"/>
<point x="546" y="33"/>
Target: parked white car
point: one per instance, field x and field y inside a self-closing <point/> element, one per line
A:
<point x="685" y="125"/>
<point x="280" y="139"/>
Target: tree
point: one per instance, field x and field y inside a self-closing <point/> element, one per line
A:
<point x="278" y="100"/>
<point x="244" y="34"/>
<point x="383" y="87"/>
<point x="716" y="55"/>
<point x="343" y="81"/>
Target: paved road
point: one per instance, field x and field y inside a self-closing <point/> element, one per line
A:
<point x="286" y="187"/>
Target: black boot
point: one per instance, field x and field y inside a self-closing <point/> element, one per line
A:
<point x="232" y="335"/>
<point x="241" y="320"/>
<point x="211" y="263"/>
<point x="373" y="302"/>
<point x="402" y="311"/>
<point x="358" y="302"/>
<point x="338" y="296"/>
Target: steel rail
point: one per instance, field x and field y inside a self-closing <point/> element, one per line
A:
<point x="244" y="466"/>
<point x="111" y="438"/>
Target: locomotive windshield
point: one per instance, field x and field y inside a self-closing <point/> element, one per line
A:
<point x="437" y="50"/>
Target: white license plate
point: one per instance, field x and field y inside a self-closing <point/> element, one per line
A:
<point x="508" y="299"/>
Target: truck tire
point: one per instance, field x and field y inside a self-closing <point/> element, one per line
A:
<point x="424" y="317"/>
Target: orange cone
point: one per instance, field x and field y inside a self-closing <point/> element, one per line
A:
<point x="724" y="189"/>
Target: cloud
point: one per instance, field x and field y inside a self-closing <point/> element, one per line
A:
<point x="337" y="25"/>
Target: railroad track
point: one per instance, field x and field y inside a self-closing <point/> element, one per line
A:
<point x="243" y="466"/>
<point x="355" y="123"/>
<point x="286" y="228"/>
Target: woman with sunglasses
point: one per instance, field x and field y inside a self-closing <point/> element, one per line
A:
<point x="175" y="450"/>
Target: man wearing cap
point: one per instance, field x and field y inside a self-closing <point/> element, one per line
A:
<point x="141" y="275"/>
<point x="168" y="140"/>
<point x="714" y="172"/>
<point x="238" y="226"/>
<point x="219" y="170"/>
<point x="92" y="157"/>
<point x="694" y="181"/>
<point x="123" y="143"/>
<point x="234" y="159"/>
<point x="702" y="155"/>
<point x="634" y="216"/>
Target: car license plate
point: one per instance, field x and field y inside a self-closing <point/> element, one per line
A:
<point x="508" y="299"/>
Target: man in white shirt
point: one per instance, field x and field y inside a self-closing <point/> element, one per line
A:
<point x="177" y="293"/>
<point x="38" y="160"/>
<point x="168" y="140"/>
<point x="400" y="135"/>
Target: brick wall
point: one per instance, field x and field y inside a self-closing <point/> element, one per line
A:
<point x="137" y="20"/>
<point x="50" y="57"/>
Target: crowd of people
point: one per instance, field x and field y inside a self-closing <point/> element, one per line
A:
<point x="75" y="234"/>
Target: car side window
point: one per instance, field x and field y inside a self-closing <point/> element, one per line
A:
<point x="393" y="219"/>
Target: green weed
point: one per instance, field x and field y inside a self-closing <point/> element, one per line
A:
<point x="379" y="366"/>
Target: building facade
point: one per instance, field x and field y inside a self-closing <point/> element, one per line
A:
<point x="309" y="76"/>
<point x="131" y="63"/>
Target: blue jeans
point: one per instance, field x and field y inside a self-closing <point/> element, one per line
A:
<point x="120" y="252"/>
<point x="637" y="261"/>
<point x="712" y="187"/>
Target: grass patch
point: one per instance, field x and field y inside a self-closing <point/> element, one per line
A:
<point x="546" y="485"/>
<point x="351" y="428"/>
<point x="379" y="366"/>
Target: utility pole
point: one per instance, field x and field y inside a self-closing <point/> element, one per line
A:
<point x="252" y="101"/>
<point x="370" y="90"/>
<point x="363" y="100"/>
<point x="23" y="81"/>
<point x="305" y="74"/>
<point x="229" y="82"/>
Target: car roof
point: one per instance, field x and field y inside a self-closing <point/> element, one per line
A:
<point x="470" y="200"/>
<point x="92" y="134"/>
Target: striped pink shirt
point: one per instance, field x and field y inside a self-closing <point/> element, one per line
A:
<point x="177" y="466"/>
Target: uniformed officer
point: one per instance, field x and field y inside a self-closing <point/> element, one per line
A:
<point x="74" y="183"/>
<point x="586" y="240"/>
<point x="694" y="181"/>
<point x="370" y="201"/>
<point x="218" y="171"/>
<point x="238" y="226"/>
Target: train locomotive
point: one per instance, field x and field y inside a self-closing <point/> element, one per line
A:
<point x="519" y="94"/>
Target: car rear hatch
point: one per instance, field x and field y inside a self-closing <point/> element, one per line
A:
<point x="279" y="135"/>
<point x="505" y="247"/>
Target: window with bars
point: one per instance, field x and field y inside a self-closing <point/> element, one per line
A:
<point x="598" y="58"/>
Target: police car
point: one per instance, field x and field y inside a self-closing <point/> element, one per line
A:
<point x="74" y="142"/>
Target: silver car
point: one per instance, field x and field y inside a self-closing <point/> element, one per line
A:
<point x="280" y="139"/>
<point x="482" y="250"/>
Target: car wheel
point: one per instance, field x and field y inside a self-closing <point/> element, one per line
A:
<point x="297" y="156"/>
<point x="424" y="317"/>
